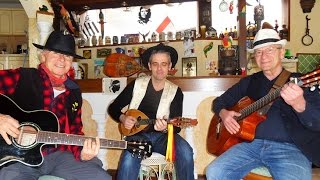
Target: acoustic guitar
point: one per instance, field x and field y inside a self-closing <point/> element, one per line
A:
<point x="41" y="127"/>
<point x="143" y="121"/>
<point x="252" y="113"/>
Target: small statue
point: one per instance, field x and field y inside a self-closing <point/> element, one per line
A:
<point x="43" y="8"/>
<point x="154" y="37"/>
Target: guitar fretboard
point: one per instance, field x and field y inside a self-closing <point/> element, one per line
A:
<point x="48" y="137"/>
<point x="264" y="100"/>
<point x="259" y="104"/>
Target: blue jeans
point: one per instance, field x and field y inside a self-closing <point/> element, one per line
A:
<point x="129" y="165"/>
<point x="284" y="161"/>
<point x="61" y="164"/>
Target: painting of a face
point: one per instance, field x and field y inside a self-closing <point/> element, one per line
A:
<point x="143" y="13"/>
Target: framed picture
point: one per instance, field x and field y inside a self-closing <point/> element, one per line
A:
<point x="104" y="52"/>
<point x="98" y="68"/>
<point x="87" y="54"/>
<point x="189" y="66"/>
<point x="113" y="85"/>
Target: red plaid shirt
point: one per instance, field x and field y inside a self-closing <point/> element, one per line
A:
<point x="8" y="82"/>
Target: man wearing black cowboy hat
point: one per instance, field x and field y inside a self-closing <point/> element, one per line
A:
<point x="47" y="88"/>
<point x="158" y="99"/>
<point x="287" y="139"/>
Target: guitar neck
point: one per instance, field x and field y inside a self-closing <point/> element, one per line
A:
<point x="48" y="137"/>
<point x="259" y="104"/>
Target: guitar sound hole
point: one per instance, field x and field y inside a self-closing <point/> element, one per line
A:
<point x="137" y="125"/>
<point x="27" y="136"/>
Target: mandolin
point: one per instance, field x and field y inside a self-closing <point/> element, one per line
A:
<point x="144" y="121"/>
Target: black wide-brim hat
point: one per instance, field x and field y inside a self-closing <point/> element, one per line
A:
<point x="60" y="43"/>
<point x="145" y="57"/>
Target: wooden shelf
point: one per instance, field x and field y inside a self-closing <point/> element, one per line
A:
<point x="141" y="43"/>
<point x="202" y="83"/>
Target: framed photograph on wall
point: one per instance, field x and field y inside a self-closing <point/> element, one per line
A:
<point x="189" y="66"/>
<point x="113" y="85"/>
<point x="87" y="54"/>
<point x="104" y="52"/>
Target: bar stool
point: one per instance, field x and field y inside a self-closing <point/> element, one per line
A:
<point x="259" y="173"/>
<point x="157" y="166"/>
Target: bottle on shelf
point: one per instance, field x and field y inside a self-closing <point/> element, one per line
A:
<point x="235" y="32"/>
<point x="283" y="33"/>
<point x="221" y="36"/>
<point x="231" y="33"/>
<point x="226" y="32"/>
<point x="276" y="25"/>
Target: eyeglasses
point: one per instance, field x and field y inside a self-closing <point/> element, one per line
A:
<point x="268" y="51"/>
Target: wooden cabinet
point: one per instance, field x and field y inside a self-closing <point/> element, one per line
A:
<point x="20" y="22"/>
<point x="13" y="22"/>
<point x="5" y="28"/>
<point x="12" y="61"/>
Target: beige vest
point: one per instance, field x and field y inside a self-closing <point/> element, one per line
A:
<point x="140" y="88"/>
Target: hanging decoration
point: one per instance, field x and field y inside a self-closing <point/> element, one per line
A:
<point x="170" y="152"/>
<point x="101" y="22"/>
<point x="307" y="5"/>
<point x="258" y="14"/>
<point x="62" y="13"/>
<point x="207" y="48"/>
<point x="223" y="6"/>
<point x="231" y="7"/>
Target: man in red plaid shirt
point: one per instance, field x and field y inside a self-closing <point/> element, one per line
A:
<point x="50" y="88"/>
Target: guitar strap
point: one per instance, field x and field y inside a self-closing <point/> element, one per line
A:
<point x="281" y="80"/>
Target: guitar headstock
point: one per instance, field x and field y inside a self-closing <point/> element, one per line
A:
<point x="311" y="79"/>
<point x="183" y="122"/>
<point x="140" y="149"/>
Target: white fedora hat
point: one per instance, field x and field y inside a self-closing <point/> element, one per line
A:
<point x="266" y="37"/>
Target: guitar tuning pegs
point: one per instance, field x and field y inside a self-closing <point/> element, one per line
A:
<point x="312" y="88"/>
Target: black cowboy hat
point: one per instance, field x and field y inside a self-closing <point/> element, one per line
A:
<point x="60" y="43"/>
<point x="145" y="57"/>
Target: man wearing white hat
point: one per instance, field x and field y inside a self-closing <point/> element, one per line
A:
<point x="287" y="141"/>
